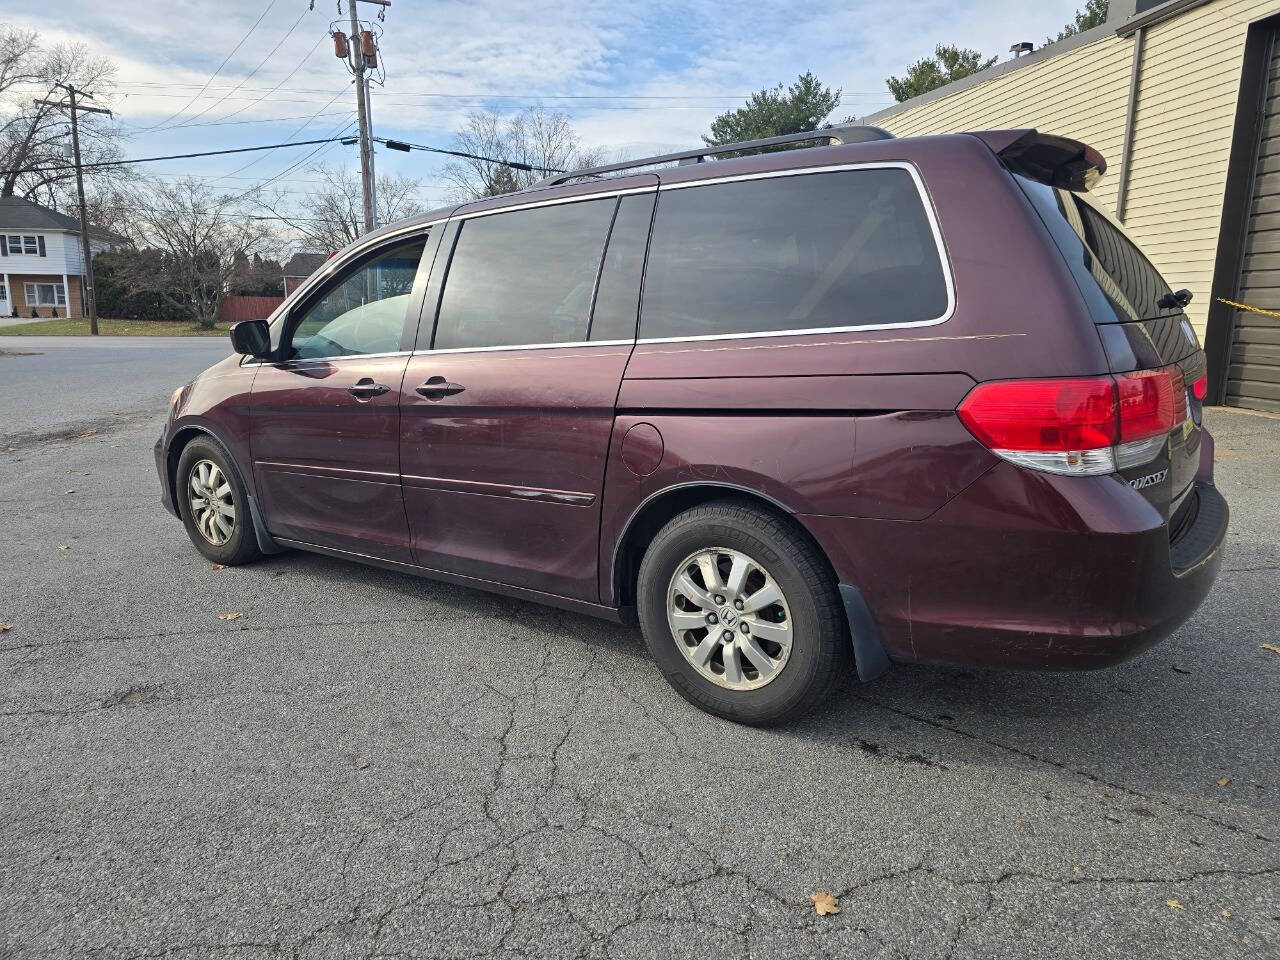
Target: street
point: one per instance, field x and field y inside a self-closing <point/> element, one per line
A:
<point x="366" y="763"/>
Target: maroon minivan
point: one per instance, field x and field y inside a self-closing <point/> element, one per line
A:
<point x="912" y="400"/>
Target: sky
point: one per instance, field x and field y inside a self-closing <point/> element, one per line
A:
<point x="635" y="78"/>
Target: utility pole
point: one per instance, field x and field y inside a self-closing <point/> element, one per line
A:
<point x="361" y="54"/>
<point x="373" y="174"/>
<point x="91" y="303"/>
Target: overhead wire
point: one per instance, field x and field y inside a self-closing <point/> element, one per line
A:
<point x="225" y="61"/>
<point x="250" y="75"/>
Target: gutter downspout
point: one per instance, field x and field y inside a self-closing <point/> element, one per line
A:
<point x="1130" y="117"/>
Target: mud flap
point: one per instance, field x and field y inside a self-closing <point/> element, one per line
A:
<point x="265" y="543"/>
<point x="868" y="650"/>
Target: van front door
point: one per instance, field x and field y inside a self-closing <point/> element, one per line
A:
<point x="326" y="416"/>
<point x="508" y="404"/>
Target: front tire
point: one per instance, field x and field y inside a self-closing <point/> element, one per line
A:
<point x="214" y="504"/>
<point x="740" y="611"/>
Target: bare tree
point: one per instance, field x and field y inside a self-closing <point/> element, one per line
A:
<point x="535" y="138"/>
<point x="33" y="135"/>
<point x="203" y="239"/>
<point x="330" y="216"/>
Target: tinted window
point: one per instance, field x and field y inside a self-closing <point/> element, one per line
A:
<point x="524" y="277"/>
<point x="1117" y="280"/>
<point x="364" y="311"/>
<point x="840" y="249"/>
<point x="618" y="296"/>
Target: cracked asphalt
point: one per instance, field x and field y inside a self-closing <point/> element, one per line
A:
<point x="369" y="764"/>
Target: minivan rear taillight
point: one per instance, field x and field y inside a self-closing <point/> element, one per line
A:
<point x="1079" y="425"/>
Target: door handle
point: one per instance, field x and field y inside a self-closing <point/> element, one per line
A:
<point x="366" y="389"/>
<point x="437" y="388"/>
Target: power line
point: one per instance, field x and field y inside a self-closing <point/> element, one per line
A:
<point x="487" y="95"/>
<point x="288" y="77"/>
<point x="234" y="123"/>
<point x="294" y="166"/>
<point x="224" y="62"/>
<point x="250" y="74"/>
<point x="404" y="145"/>
<point x="171" y="156"/>
<point x="304" y="126"/>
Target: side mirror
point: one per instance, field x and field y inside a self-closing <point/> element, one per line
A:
<point x="251" y="337"/>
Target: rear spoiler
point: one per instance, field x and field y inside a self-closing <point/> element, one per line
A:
<point x="1056" y="161"/>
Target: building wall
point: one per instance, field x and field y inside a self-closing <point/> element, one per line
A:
<point x="18" y="295"/>
<point x="62" y="254"/>
<point x="1182" y="136"/>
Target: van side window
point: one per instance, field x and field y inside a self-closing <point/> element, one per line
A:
<point x="618" y="296"/>
<point x="363" y="311"/>
<point x="524" y="277"/>
<point x="792" y="253"/>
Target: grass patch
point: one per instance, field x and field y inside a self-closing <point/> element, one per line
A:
<point x="79" y="327"/>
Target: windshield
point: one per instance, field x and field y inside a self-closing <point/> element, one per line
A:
<point x="1118" y="281"/>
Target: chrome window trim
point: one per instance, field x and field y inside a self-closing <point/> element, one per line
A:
<point x="558" y="201"/>
<point x="295" y="361"/>
<point x="527" y="346"/>
<point x="944" y="258"/>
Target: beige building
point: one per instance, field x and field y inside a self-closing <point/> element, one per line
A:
<point x="1182" y="97"/>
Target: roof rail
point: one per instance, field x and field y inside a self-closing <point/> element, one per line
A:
<point x="832" y="135"/>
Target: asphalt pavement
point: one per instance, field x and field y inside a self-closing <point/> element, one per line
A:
<point x="363" y="763"/>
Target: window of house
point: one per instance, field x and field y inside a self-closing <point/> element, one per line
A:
<point x="45" y="294"/>
<point x="844" y="249"/>
<point x="21" y="243"/>
<point x="524" y="277"/>
<point x="363" y="311"/>
<point x="4" y="291"/>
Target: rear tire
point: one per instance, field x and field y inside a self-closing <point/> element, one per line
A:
<point x="740" y="611"/>
<point x="214" y="504"/>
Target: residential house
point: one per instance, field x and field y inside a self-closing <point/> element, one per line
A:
<point x="41" y="268"/>
<point x="301" y="266"/>
<point x="1182" y="97"/>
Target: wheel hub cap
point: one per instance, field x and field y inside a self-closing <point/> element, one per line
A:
<point x="729" y="618"/>
<point x="213" y="509"/>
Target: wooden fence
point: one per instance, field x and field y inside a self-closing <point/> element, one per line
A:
<point x="235" y="309"/>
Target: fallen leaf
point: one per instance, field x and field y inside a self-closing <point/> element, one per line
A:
<point x="63" y="546"/>
<point x="1223" y="781"/>
<point x="219" y="566"/>
<point x="230" y="616"/>
<point x="1226" y="914"/>
<point x="5" y="627"/>
<point x="1075" y="869"/>
<point x="824" y="903"/>
<point x="1178" y="668"/>
<point x="1269" y="646"/>
<point x="1174" y="905"/>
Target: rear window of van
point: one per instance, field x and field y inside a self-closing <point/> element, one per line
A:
<point x="1118" y="281"/>
<point x="792" y="253"/>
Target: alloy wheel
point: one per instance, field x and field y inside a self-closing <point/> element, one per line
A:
<point x="213" y="508"/>
<point x="729" y="618"/>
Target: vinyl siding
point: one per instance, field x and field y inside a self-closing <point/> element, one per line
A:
<point x="1182" y="132"/>
<point x="62" y="255"/>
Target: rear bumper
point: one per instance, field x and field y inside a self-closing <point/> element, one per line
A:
<point x="1028" y="570"/>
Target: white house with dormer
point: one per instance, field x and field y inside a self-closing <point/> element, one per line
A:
<point x="41" y="268"/>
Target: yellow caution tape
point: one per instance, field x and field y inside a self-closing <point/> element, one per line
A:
<point x="1249" y="309"/>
